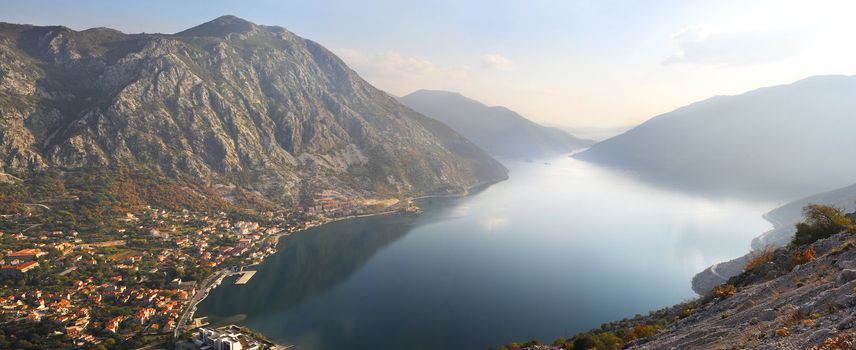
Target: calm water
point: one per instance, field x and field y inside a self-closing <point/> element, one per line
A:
<point x="555" y="250"/>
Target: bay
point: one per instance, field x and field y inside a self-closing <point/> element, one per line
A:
<point x="559" y="248"/>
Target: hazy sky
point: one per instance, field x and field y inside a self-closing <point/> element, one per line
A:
<point x="577" y="63"/>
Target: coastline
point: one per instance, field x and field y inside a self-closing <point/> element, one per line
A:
<point x="207" y="287"/>
<point x="704" y="281"/>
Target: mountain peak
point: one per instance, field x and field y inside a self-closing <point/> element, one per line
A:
<point x="445" y="95"/>
<point x="220" y="26"/>
<point x="304" y="105"/>
<point x="436" y="92"/>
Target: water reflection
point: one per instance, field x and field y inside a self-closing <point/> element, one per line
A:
<point x="308" y="263"/>
<point x="552" y="251"/>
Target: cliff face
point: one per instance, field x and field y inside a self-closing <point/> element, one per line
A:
<point x="226" y="101"/>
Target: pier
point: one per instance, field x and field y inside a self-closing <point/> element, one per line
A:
<point x="245" y="277"/>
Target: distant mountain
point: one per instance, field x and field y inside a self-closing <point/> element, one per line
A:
<point x="227" y="101"/>
<point x="498" y="130"/>
<point x="594" y="133"/>
<point x="779" y="142"/>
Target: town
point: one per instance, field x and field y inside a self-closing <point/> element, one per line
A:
<point x="139" y="285"/>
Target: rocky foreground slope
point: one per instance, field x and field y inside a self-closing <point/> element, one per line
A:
<point x="228" y="101"/>
<point x="797" y="297"/>
<point x="779" y="304"/>
<point x="784" y="219"/>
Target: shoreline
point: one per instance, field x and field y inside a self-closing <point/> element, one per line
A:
<point x="215" y="282"/>
<point x="705" y="280"/>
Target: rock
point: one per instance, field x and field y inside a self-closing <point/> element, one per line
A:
<point x="846" y="275"/>
<point x="767" y="315"/>
<point x="845" y="264"/>
<point x="843" y="301"/>
<point x="820" y="335"/>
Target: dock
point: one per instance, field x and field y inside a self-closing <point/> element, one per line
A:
<point x="245" y="277"/>
<point x="200" y="322"/>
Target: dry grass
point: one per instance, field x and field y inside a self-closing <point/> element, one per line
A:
<point x="838" y="342"/>
<point x="803" y="257"/>
<point x="849" y="244"/>
<point x="759" y="259"/>
<point x="724" y="291"/>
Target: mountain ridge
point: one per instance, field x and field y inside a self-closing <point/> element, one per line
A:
<point x="783" y="142"/>
<point x="496" y="129"/>
<point x="258" y="106"/>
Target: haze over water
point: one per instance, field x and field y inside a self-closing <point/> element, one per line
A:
<point x="555" y="250"/>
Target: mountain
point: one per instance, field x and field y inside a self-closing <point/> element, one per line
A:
<point x="227" y="102"/>
<point x="595" y="133"/>
<point x="780" y="142"/>
<point x="498" y="130"/>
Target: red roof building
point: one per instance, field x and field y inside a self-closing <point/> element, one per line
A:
<point x="20" y="268"/>
<point x="27" y="254"/>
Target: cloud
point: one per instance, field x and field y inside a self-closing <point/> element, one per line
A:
<point x="387" y="63"/>
<point x="697" y="45"/>
<point x="496" y="61"/>
<point x="401" y="74"/>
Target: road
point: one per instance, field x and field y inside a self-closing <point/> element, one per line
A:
<point x="200" y="294"/>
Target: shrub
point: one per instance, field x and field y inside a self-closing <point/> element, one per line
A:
<point x="532" y="342"/>
<point x="837" y="342"/>
<point x="610" y="341"/>
<point x="802" y="257"/>
<point x="588" y="341"/>
<point x="724" y="291"/>
<point x="644" y="330"/>
<point x="686" y="312"/>
<point x="821" y="221"/>
<point x="759" y="259"/>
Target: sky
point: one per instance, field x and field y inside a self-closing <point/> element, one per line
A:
<point x="589" y="63"/>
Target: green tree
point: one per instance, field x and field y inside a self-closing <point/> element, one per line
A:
<point x="588" y="341"/>
<point x="821" y="221"/>
<point x="610" y="341"/>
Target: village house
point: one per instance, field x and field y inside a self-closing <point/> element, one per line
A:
<point x="17" y="269"/>
<point x="26" y="254"/>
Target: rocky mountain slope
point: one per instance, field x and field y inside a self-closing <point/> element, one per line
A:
<point x="497" y="130"/>
<point x="780" y="143"/>
<point x="227" y="101"/>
